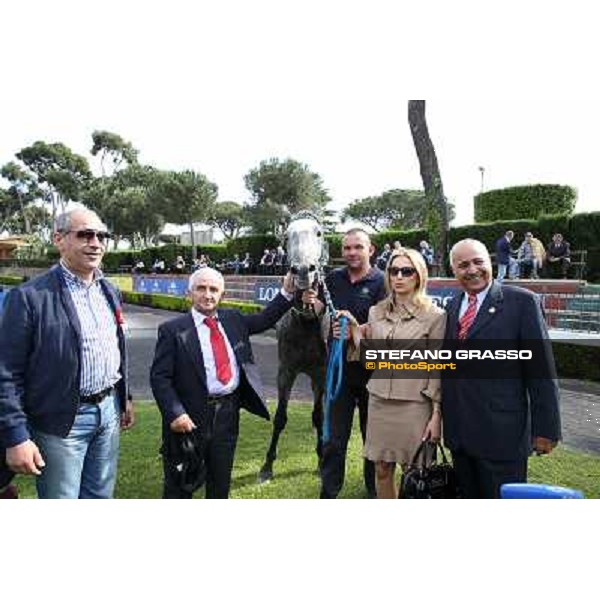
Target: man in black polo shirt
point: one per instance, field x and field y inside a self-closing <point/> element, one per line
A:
<point x="355" y="288"/>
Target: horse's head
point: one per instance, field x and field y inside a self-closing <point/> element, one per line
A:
<point x="306" y="249"/>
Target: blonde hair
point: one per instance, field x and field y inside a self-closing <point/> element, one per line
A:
<point x="420" y="297"/>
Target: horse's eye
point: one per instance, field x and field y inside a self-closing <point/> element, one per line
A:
<point x="311" y="268"/>
<point x="319" y="234"/>
<point x="294" y="270"/>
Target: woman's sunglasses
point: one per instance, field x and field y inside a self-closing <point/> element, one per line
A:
<point x="405" y="271"/>
<point x="89" y="234"/>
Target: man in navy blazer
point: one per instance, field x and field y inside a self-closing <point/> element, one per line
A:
<point x="63" y="369"/>
<point x="203" y="372"/>
<point x="490" y="425"/>
<point x="504" y="259"/>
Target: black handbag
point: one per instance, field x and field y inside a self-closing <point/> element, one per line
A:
<point x="184" y="453"/>
<point x="429" y="479"/>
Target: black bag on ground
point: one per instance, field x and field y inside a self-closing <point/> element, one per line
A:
<point x="431" y="479"/>
<point x="184" y="452"/>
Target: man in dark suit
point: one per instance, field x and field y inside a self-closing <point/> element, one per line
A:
<point x="558" y="256"/>
<point x="504" y="259"/>
<point x="63" y="369"/>
<point x="204" y="372"/>
<point x="490" y="425"/>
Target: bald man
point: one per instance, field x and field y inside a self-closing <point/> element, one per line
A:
<point x="204" y="372"/>
<point x="491" y="425"/>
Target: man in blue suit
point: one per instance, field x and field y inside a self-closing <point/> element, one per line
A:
<point x="204" y="372"/>
<point x="63" y="369"/>
<point x="490" y="425"/>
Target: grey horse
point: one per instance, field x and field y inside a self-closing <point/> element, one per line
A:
<point x="300" y="341"/>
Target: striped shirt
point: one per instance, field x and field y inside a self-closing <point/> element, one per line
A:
<point x="100" y="355"/>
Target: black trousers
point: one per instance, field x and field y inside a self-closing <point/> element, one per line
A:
<point x="353" y="395"/>
<point x="222" y="428"/>
<point x="481" y="478"/>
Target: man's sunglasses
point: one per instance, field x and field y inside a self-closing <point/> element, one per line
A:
<point x="89" y="234"/>
<point x="406" y="271"/>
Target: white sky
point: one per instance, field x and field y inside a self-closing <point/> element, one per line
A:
<point x="219" y="86"/>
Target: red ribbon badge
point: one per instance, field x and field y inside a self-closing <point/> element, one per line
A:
<point x="119" y="317"/>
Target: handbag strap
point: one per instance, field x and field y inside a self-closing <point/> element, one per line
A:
<point x="423" y="449"/>
<point x="422" y="446"/>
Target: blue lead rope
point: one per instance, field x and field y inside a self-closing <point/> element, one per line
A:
<point x="333" y="382"/>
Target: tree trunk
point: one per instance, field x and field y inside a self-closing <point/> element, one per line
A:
<point x="430" y="175"/>
<point x="193" y="241"/>
<point x="24" y="213"/>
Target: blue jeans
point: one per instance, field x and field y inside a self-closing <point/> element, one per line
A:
<point x="84" y="464"/>
<point x="512" y="267"/>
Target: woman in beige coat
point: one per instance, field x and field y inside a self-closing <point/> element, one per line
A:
<point x="402" y="411"/>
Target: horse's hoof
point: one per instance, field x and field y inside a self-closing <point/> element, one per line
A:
<point x="265" y="476"/>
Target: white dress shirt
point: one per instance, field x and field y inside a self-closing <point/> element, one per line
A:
<point x="215" y="387"/>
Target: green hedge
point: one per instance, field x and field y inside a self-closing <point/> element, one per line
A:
<point x="488" y="233"/>
<point x="181" y="304"/>
<point x="576" y="361"/>
<point x="581" y="230"/>
<point x="39" y="263"/>
<point x="524" y="202"/>
<point x="254" y="244"/>
<point x="409" y="238"/>
<point x="11" y="280"/>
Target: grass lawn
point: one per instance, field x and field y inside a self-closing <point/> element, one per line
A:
<point x="140" y="473"/>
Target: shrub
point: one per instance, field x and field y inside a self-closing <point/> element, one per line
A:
<point x="181" y="304"/>
<point x="524" y="202"/>
<point x="11" y="280"/>
<point x="577" y="361"/>
<point x="254" y="244"/>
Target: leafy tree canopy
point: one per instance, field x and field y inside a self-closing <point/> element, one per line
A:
<point x="113" y="146"/>
<point x="280" y="188"/>
<point x="394" y="209"/>
<point x="229" y="217"/>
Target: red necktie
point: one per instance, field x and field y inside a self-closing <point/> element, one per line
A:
<point x="465" y="322"/>
<point x="217" y="341"/>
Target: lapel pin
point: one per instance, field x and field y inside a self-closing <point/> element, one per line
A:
<point x="492" y="310"/>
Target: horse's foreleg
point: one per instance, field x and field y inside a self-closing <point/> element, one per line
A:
<point x="285" y="381"/>
<point x="318" y="387"/>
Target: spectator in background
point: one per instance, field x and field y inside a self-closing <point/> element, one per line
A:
<point x="139" y="266"/>
<point x="179" y="266"/>
<point x="526" y="257"/>
<point x="427" y="253"/>
<point x="539" y="256"/>
<point x="558" y="256"/>
<point x="159" y="266"/>
<point x="266" y="262"/>
<point x="397" y="245"/>
<point x="504" y="258"/>
<point x="279" y="260"/>
<point x="383" y="258"/>
<point x="197" y="263"/>
<point x="235" y="264"/>
<point x="246" y="264"/>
